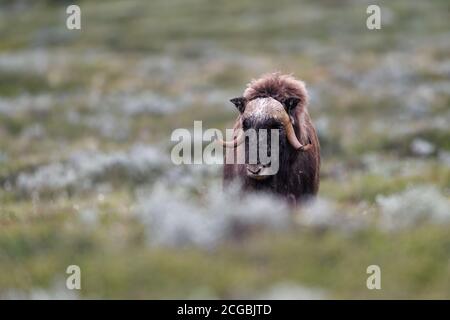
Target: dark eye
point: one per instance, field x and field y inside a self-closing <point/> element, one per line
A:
<point x="276" y="125"/>
<point x="246" y="124"/>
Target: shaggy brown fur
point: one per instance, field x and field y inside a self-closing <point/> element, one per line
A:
<point x="280" y="87"/>
<point x="298" y="176"/>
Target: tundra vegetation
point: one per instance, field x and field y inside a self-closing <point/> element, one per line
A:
<point x="86" y="179"/>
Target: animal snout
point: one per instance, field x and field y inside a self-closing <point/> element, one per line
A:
<point x="254" y="169"/>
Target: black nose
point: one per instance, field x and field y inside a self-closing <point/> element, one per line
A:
<point x="254" y="169"/>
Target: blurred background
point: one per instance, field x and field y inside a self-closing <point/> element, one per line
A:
<point x="85" y="172"/>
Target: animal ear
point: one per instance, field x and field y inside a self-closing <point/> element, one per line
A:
<point x="290" y="103"/>
<point x="239" y="102"/>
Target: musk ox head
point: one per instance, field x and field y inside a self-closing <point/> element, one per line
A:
<point x="267" y="124"/>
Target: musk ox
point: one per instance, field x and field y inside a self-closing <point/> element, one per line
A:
<point x="276" y="102"/>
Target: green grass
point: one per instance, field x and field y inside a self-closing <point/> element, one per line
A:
<point x="411" y="262"/>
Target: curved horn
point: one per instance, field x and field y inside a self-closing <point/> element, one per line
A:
<point x="235" y="142"/>
<point x="290" y="134"/>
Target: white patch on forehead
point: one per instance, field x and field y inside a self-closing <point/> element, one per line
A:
<point x="262" y="107"/>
